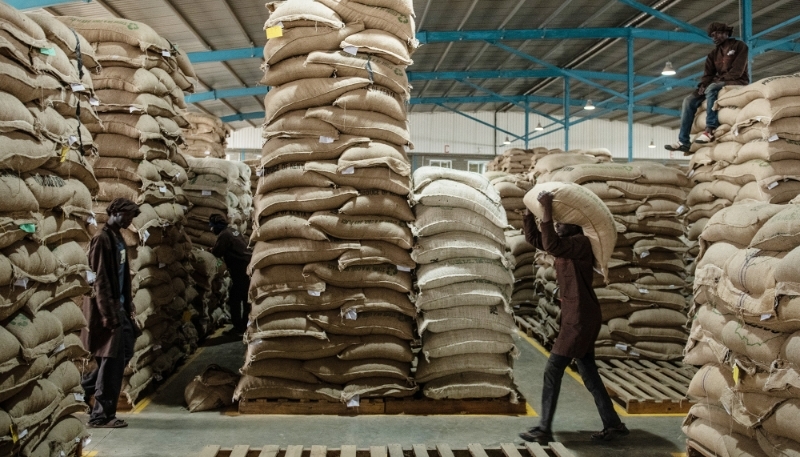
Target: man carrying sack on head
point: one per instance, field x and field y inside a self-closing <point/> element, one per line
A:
<point x="231" y="246"/>
<point x="110" y="313"/>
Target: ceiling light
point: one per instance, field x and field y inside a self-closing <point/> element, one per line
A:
<point x="589" y="105"/>
<point x="668" y="70"/>
<point x="652" y="145"/>
<point x="539" y="127"/>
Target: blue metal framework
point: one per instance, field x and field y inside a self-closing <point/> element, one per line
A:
<point x="33" y="4"/>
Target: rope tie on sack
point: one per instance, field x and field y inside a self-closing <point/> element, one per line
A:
<point x="80" y="78"/>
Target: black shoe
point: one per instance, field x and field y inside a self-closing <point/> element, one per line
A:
<point x="611" y="433"/>
<point x="678" y="146"/>
<point x="537" y="435"/>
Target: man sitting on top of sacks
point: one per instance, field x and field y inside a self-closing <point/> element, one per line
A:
<point x="580" y="321"/>
<point x="725" y="65"/>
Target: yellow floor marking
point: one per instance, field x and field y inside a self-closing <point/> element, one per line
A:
<point x="89" y="454"/>
<point x="529" y="411"/>
<point x="142" y="405"/>
<point x="678" y="454"/>
<point x="619" y="409"/>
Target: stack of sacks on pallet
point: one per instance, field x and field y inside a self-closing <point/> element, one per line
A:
<point x="139" y="93"/>
<point x="207" y="293"/>
<point x="464" y="284"/>
<point x="47" y="187"/>
<point x="644" y="311"/>
<point x="206" y="136"/>
<point x="331" y="269"/>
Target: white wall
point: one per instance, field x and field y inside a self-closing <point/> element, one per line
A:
<point x="441" y="132"/>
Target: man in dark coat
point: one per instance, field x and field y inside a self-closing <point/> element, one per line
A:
<point x="231" y="246"/>
<point x="110" y="314"/>
<point x="580" y="321"/>
<point x="725" y="65"/>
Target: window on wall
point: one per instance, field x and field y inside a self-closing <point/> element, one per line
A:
<point x="476" y="167"/>
<point x="441" y="163"/>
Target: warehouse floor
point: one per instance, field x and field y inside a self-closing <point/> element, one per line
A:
<point x="161" y="425"/>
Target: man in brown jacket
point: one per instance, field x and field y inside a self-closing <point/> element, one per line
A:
<point x="580" y="322"/>
<point x="110" y="314"/>
<point x="725" y="65"/>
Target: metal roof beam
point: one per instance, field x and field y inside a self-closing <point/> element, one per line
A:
<point x="242" y="117"/>
<point x="781" y="44"/>
<point x="225" y="54"/>
<point x="218" y="94"/>
<point x="525" y="105"/>
<point x="33" y="4"/>
<point x="426" y="37"/>
<point x="480" y="121"/>
<point x="520" y="74"/>
<point x="664" y="17"/>
<point x="777" y="27"/>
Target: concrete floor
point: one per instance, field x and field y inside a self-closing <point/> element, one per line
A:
<point x="161" y="425"/>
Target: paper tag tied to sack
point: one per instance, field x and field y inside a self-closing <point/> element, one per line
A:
<point x="145" y="236"/>
<point x="354" y="402"/>
<point x="205" y="193"/>
<point x="28" y="228"/>
<point x="773" y="185"/>
<point x="94" y="102"/>
<point x="621" y="347"/>
<point x="766" y="317"/>
<point x="90" y="276"/>
<point x="48" y="51"/>
<point x="737" y="374"/>
<point x="352" y="50"/>
<point x="166" y="53"/>
<point x="773" y="138"/>
<point x="404" y="269"/>
<point x="642" y="290"/>
<point x="77" y="87"/>
<point x="349" y="171"/>
<point x="315" y="293"/>
<point x="91" y="221"/>
<point x="326" y="140"/>
<point x="644" y="254"/>
<point x="79" y="397"/>
<point x="64" y="153"/>
<point x="351" y="315"/>
<point x="681" y="209"/>
<point x="163" y="189"/>
<point x="276" y="31"/>
<point x="22" y="282"/>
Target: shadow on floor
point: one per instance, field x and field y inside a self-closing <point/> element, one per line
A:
<point x="638" y="443"/>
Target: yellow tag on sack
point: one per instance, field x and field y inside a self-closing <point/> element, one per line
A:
<point x="275" y="31"/>
<point x="187" y="316"/>
<point x="14" y="435"/>
<point x="64" y="153"/>
<point x="737" y="374"/>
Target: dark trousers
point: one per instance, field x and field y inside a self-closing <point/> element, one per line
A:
<point x="105" y="382"/>
<point x="689" y="109"/>
<point x="554" y="372"/>
<point x="237" y="300"/>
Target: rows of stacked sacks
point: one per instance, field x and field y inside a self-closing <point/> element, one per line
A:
<point x="463" y="287"/>
<point x="331" y="271"/>
<point x="745" y="329"/>
<point x="138" y="95"/>
<point x="47" y="184"/>
<point x="642" y="293"/>
<point x="206" y="136"/>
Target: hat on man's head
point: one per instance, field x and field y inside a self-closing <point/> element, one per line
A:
<point x="218" y="219"/>
<point x="719" y="27"/>
<point x="122" y="205"/>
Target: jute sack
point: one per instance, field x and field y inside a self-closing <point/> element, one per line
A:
<point x="465" y="269"/>
<point x="369" y="228"/>
<point x="306" y="198"/>
<point x="454" y="194"/>
<point x="53" y="126"/>
<point x="661" y="298"/>
<point x="64" y="38"/>
<point x="378" y="70"/>
<point x="301" y="13"/>
<point x="374" y="98"/>
<point x="127" y="169"/>
<point x="656" y="207"/>
<point x="129" y="102"/>
<point x="22" y="27"/>
<point x="283" y="278"/>
<point x="581" y="173"/>
<point x="9" y="350"/>
<point x="142" y="127"/>
<point x="292" y="174"/>
<point x="787" y="274"/>
<point x="15" y="116"/>
<point x="366" y="123"/>
<point x="372" y="178"/>
<point x="765" y="111"/>
<point x="403" y="6"/>
<point x="135" y="80"/>
<point x="22" y="153"/>
<point x="493" y="318"/>
<point x="308" y="93"/>
<point x="739" y="223"/>
<point x="337" y="371"/>
<point x="719" y="440"/>
<point x="119" y="54"/>
<point x="783" y="422"/>
<point x="298" y="347"/>
<point x="711" y="382"/>
<point x="726" y="151"/>
<point x="781" y="232"/>
<point x="603" y="190"/>
<point x="654" y="226"/>
<point x="122" y="30"/>
<point x="378" y="203"/>
<point x="435" y="220"/>
<point x="373" y="252"/>
<point x="382" y="18"/>
<point x="296" y="251"/>
<point x="781" y="192"/>
<point x="378" y="387"/>
<point x="295" y="124"/>
<point x="424" y="176"/>
<point x="717" y="415"/>
<point x="114" y="145"/>
<point x="752" y="270"/>
<point x="26" y="86"/>
<point x="332" y="298"/>
<point x="776" y="445"/>
<point x="32" y="260"/>
<point x="553" y="162"/>
<point x="658" y="317"/>
<point x="467" y="341"/>
<point x="785" y="128"/>
<point x="283" y="325"/>
<point x="293" y="69"/>
<point x="761" y="346"/>
<point x="19" y="197"/>
<point x="494" y="364"/>
<point x="388" y="276"/>
<point x="572" y="204"/>
<point x="656" y="173"/>
<point x="470" y="293"/>
<point x="278" y="151"/>
<point x="381" y="299"/>
<point x="211" y="389"/>
<point x="621" y="328"/>
<point x="289" y="369"/>
<point x="371" y="323"/>
<point x="286" y="224"/>
<point x="771" y="88"/>
<point x="379" y="43"/>
<point x="33" y="404"/>
<point x="379" y="347"/>
<point x="471" y="385"/>
<point x="298" y="41"/>
<point x="37" y="336"/>
<point x="766" y="174"/>
<point x="251" y="387"/>
<point x="20" y="376"/>
<point x="768" y="150"/>
<point x="453" y="245"/>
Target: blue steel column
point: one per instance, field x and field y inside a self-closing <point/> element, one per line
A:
<point x="527" y="121"/>
<point x="630" y="99"/>
<point x="566" y="113"/>
<point x="746" y="13"/>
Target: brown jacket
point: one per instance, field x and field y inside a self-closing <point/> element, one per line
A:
<point x="580" y="310"/>
<point x="102" y="336"/>
<point x="727" y="63"/>
<point x="231" y="246"/>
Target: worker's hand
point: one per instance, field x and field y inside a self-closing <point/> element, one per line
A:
<point x="701" y="90"/>
<point x="546" y="200"/>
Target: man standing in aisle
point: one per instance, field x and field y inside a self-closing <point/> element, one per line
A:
<point x="110" y="314"/>
<point x="580" y="322"/>
<point x="231" y="246"/>
<point x="725" y="65"/>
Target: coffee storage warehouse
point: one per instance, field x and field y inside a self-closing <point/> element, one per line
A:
<point x="379" y="160"/>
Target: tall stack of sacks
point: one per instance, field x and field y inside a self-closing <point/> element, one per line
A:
<point x="644" y="310"/>
<point x="207" y="292"/>
<point x="254" y="165"/>
<point x="139" y="93"/>
<point x="746" y="330"/>
<point x="206" y="136"/>
<point x="464" y="285"/>
<point x="43" y="267"/>
<point x="331" y="268"/>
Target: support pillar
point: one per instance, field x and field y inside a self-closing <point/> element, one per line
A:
<point x="746" y="19"/>
<point x="566" y="113"/>
<point x="630" y="99"/>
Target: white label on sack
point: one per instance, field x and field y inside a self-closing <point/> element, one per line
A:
<point x="90" y="277"/>
<point x="163" y="189"/>
<point x="349" y="171"/>
<point x="621" y="347"/>
<point x="145" y="236"/>
<point x="352" y="50"/>
<point x="87" y="440"/>
<point x="643" y="291"/>
<point x="76" y="87"/>
<point x="260" y="172"/>
<point x="680" y="210"/>
<point x="166" y="53"/>
<point x="131" y="109"/>
<point x="205" y="193"/>
<point x="314" y="293"/>
<point x="91" y="221"/>
<point x="79" y="397"/>
<point x="59" y="348"/>
<point x="156" y="347"/>
<point x="406" y="269"/>
<point x="351" y="315"/>
<point x="162" y="265"/>
<point x="326" y="140"/>
<point x="178" y="175"/>
<point x="94" y="102"/>
<point x="21" y="282"/>
<point x="691" y="173"/>
<point x="185" y="208"/>
<point x="72" y="140"/>
<point x="766" y="317"/>
<point x="773" y="185"/>
<point x="63" y="454"/>
<point x="23" y="434"/>
<point x="354" y="402"/>
<point x="773" y="138"/>
<point x="634" y="353"/>
<point x="257" y="341"/>
<point x="208" y="153"/>
<point x="644" y="254"/>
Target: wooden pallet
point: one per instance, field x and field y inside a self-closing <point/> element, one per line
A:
<point x="417" y="405"/>
<point x="645" y="387"/>
<point x="392" y="450"/>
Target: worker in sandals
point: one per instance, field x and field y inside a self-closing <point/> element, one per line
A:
<point x="726" y="65"/>
<point x="580" y="322"/>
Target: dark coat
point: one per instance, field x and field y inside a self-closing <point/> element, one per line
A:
<point x="727" y="63"/>
<point x="231" y="246"/>
<point x="101" y="309"/>
<point x="580" y="310"/>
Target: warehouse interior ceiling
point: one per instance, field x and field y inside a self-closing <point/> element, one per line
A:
<point x="491" y="55"/>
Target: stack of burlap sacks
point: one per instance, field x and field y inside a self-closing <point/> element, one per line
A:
<point x="331" y="270"/>
<point x="207" y="136"/>
<point x="254" y="165"/>
<point x="644" y="309"/>
<point x="47" y="188"/>
<point x="139" y="93"/>
<point x="746" y="317"/>
<point x="464" y="285"/>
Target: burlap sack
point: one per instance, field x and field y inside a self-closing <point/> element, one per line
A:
<point x="16" y="378"/>
<point x="372" y="252"/>
<point x="306" y="198"/>
<point x="467" y="341"/>
<point x="347" y="227"/>
<point x="739" y="223"/>
<point x="121" y="30"/>
<point x="26" y="86"/>
<point x="493" y="318"/>
<point x="366" y="123"/>
<point x="372" y="178"/>
<point x="287" y="369"/>
<point x="379" y="347"/>
<point x="297" y="251"/>
<point x="382" y="18"/>
<point x="292" y="174"/>
<point x="295" y="124"/>
<point x="298" y="347"/>
<point x="337" y="371"/>
<point x="781" y="232"/>
<point x="378" y="70"/>
<point x="378" y="203"/>
<point x="759" y="345"/>
<point x="379" y="387"/>
<point x="300" y="14"/>
<point x="435" y="220"/>
<point x="471" y="385"/>
<point x="771" y="88"/>
<point x="454" y="194"/>
<point x="33" y="404"/>
<point x="371" y="323"/>
<point x="493" y="364"/>
<point x="212" y="389"/>
<point x="129" y="80"/>
<point x="479" y="292"/>
<point x="15" y="116"/>
<point x="293" y="69"/>
<point x="621" y="328"/>
<point x="20" y="199"/>
<point x="332" y="298"/>
<point x="657" y="318"/>
<point x="768" y="150"/>
<point x="298" y="41"/>
<point x="283" y="278"/>
<point x="21" y="26"/>
<point x="457" y="244"/>
<point x="719" y="440"/>
<point x="250" y="387"/>
<point x="22" y="152"/>
<point x="286" y="224"/>
<point x="278" y="151"/>
<point x="454" y="271"/>
<point x="379" y="43"/>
